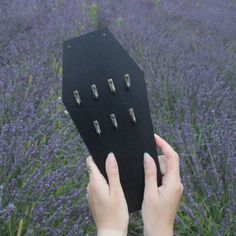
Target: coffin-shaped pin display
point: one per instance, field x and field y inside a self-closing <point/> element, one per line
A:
<point x="95" y="65"/>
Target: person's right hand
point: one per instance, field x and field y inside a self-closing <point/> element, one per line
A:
<point x="160" y="204"/>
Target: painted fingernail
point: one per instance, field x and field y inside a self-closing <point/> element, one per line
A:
<point x="147" y="160"/>
<point x="111" y="159"/>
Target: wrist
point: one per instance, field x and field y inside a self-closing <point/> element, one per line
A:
<point x="160" y="231"/>
<point x="109" y="232"/>
<point x="166" y="232"/>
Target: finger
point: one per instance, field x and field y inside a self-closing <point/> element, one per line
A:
<point x="172" y="156"/>
<point x="94" y="173"/>
<point x="88" y="188"/>
<point x="150" y="173"/>
<point x="112" y="171"/>
<point x="163" y="164"/>
<point x="87" y="192"/>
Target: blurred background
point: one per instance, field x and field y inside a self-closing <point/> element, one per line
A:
<point x="187" y="50"/>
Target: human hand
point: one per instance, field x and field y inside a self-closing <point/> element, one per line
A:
<point x="107" y="202"/>
<point x="160" y="204"/>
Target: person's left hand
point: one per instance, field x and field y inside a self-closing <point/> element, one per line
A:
<point x="107" y="202"/>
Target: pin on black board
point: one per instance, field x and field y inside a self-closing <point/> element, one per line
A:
<point x="105" y="94"/>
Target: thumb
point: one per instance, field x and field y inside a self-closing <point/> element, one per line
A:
<point x="113" y="173"/>
<point x="94" y="173"/>
<point x="150" y="172"/>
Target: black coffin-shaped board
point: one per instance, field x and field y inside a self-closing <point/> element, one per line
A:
<point x="105" y="94"/>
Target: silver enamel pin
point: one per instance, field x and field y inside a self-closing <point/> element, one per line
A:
<point x="114" y="121"/>
<point x="127" y="81"/>
<point x="95" y="91"/>
<point x="77" y="96"/>
<point x="97" y="127"/>
<point x="132" y="115"/>
<point x="111" y="85"/>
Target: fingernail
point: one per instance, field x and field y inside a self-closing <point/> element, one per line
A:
<point x="87" y="160"/>
<point x="157" y="136"/>
<point x="89" y="169"/>
<point x="147" y="160"/>
<point x="111" y="159"/>
<point x="88" y="164"/>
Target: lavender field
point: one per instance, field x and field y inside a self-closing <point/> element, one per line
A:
<point x="187" y="50"/>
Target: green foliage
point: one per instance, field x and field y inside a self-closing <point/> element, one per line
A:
<point x="64" y="189"/>
<point x="92" y="12"/>
<point x="158" y="2"/>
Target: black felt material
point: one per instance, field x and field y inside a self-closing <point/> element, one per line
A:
<point x="93" y="59"/>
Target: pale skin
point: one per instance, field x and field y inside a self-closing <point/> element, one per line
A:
<point x="107" y="201"/>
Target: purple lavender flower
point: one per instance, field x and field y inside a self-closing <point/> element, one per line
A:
<point x="187" y="50"/>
